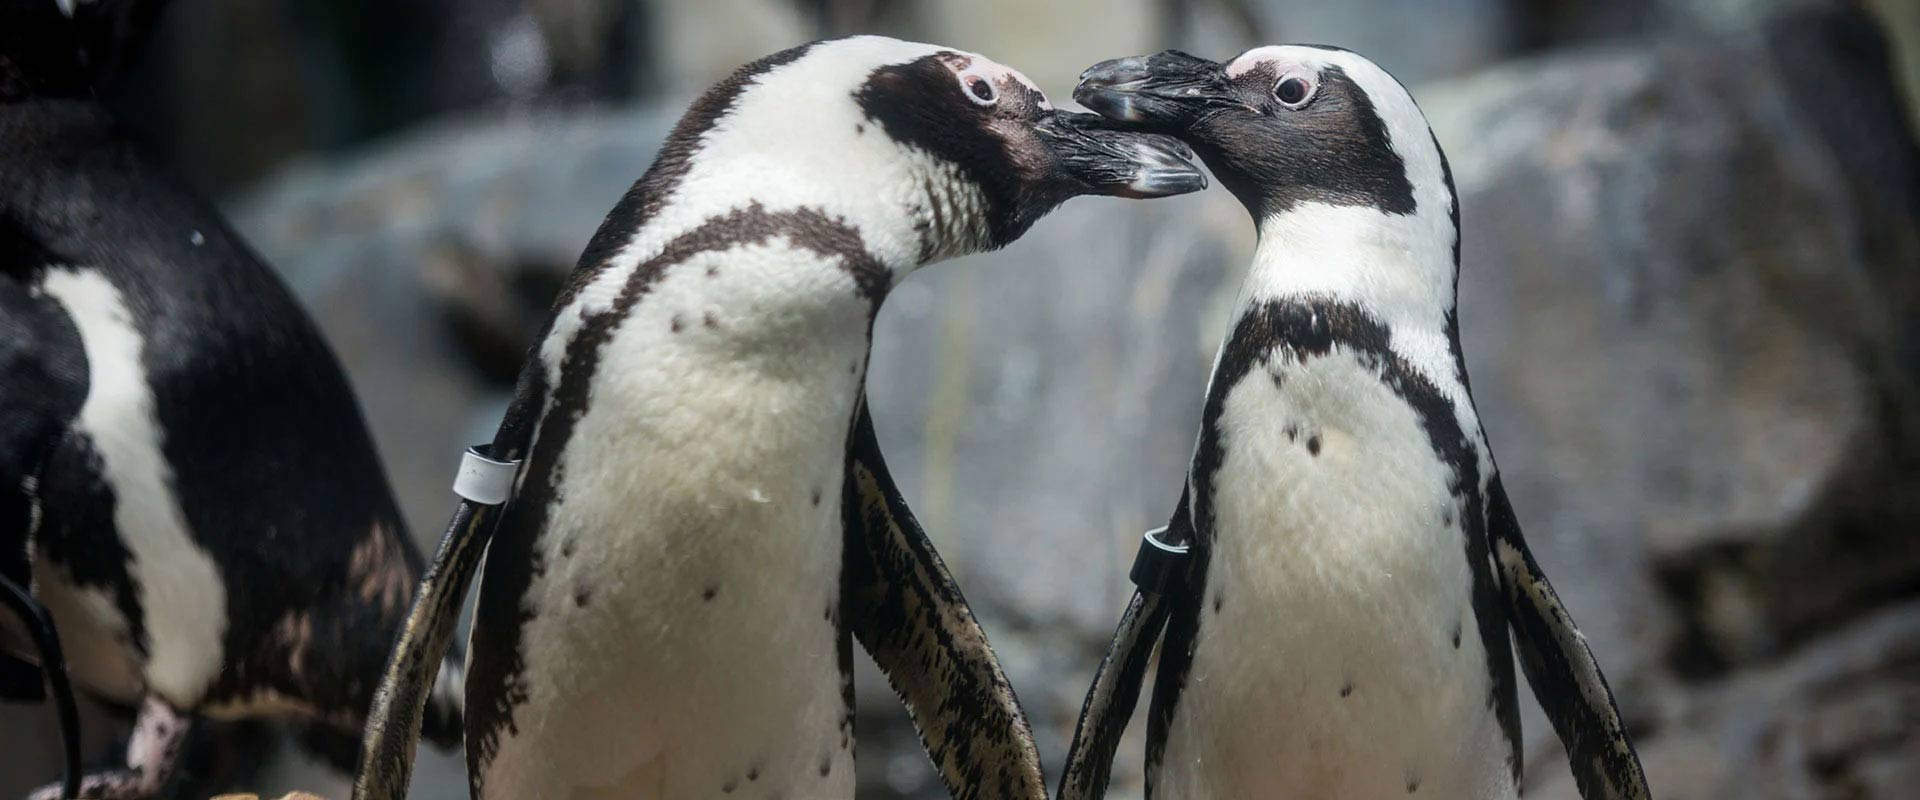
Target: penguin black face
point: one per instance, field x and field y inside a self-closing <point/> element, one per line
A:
<point x="1281" y="126"/>
<point x="1003" y="136"/>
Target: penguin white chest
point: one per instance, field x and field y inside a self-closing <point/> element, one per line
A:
<point x="683" y="638"/>
<point x="1337" y="653"/>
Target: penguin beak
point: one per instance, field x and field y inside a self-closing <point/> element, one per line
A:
<point x="1165" y="93"/>
<point x="1106" y="160"/>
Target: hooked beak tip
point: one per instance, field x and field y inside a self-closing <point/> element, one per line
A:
<point x="1166" y="168"/>
<point x="1108" y="87"/>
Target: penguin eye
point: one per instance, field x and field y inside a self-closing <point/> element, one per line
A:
<point x="982" y="90"/>
<point x="1293" y="91"/>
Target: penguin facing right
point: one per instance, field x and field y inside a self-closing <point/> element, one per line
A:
<point x="701" y="522"/>
<point x="1341" y="628"/>
<point x="187" y="482"/>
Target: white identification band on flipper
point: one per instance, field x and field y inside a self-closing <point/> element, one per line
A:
<point x="484" y="480"/>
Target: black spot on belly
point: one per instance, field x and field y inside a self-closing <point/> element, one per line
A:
<point x="826" y="766"/>
<point x="1456" y="636"/>
<point x="708" y="593"/>
<point x="1219" y="599"/>
<point x="566" y="548"/>
<point x="708" y="320"/>
<point x="1347" y="690"/>
<point x="1413" y="785"/>
<point x="729" y="786"/>
<point x="829" y="615"/>
<point x="1293" y="432"/>
<point x="581" y="595"/>
<point x="753" y="772"/>
<point x="1313" y="445"/>
<point x="1446" y="517"/>
<point x="713" y="272"/>
<point x="816" y="498"/>
<point x="676" y="324"/>
<point x="859" y="129"/>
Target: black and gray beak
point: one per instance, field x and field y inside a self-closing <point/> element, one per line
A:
<point x="1166" y="92"/>
<point x="1110" y="161"/>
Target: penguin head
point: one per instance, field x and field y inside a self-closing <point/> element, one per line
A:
<point x="929" y="152"/>
<point x="1287" y="126"/>
<point x="994" y="130"/>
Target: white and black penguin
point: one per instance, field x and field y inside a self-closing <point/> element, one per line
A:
<point x="1343" y="629"/>
<point x="702" y="523"/>
<point x="185" y="478"/>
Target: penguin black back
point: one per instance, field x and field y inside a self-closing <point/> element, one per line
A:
<point x="214" y="531"/>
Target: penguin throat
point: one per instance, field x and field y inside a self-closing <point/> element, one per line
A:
<point x="948" y="214"/>
<point x="1400" y="267"/>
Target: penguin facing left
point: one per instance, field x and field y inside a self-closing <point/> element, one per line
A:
<point x="187" y="478"/>
<point x="702" y="522"/>
<point x="1355" y="564"/>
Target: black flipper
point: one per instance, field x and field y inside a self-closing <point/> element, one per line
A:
<point x="1111" y="699"/>
<point x="904" y="607"/>
<point x="394" y="721"/>
<point x="39" y="625"/>
<point x="1116" y="687"/>
<point x="1565" y="677"/>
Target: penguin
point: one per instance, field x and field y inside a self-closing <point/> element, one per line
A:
<point x="701" y="521"/>
<point x="187" y="483"/>
<point x="1339" y="624"/>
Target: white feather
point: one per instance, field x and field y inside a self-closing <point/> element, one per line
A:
<point x="697" y="468"/>
<point x="178" y="585"/>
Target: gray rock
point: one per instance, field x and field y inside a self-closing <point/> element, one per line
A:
<point x="1690" y="309"/>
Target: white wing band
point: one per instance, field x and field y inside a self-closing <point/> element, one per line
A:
<point x="484" y="480"/>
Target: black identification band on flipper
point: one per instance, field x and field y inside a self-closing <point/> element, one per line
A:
<point x="900" y="601"/>
<point x="393" y="723"/>
<point x="53" y="664"/>
<point x="1160" y="568"/>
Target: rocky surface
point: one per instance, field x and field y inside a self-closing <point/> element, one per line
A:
<point x="1692" y="316"/>
<point x="1691" y="313"/>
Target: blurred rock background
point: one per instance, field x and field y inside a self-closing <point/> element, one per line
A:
<point x="1690" y="298"/>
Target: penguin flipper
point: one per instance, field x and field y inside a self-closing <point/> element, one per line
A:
<point x="1565" y="677"/>
<point x="1112" y="697"/>
<point x="906" y="610"/>
<point x="400" y="704"/>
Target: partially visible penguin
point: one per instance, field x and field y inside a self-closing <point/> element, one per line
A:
<point x="187" y="478"/>
<point x="1356" y="565"/>
<point x="702" y="522"/>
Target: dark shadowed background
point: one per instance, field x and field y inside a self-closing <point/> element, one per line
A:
<point x="1690" y="298"/>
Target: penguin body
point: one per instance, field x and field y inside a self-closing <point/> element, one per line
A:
<point x="698" y="581"/>
<point x="1356" y="566"/>
<point x="702" y="522"/>
<point x="209" y="525"/>
<point x="1339" y="585"/>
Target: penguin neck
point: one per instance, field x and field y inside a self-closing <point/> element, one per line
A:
<point x="909" y="207"/>
<point x="1398" y="267"/>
